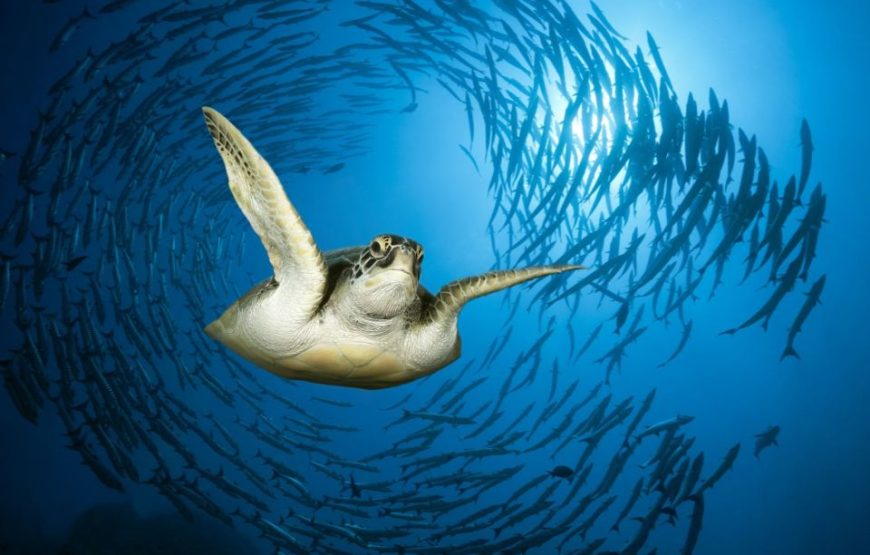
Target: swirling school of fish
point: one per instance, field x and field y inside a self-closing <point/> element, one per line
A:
<point x="120" y="221"/>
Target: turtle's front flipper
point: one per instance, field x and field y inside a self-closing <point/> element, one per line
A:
<point x="297" y="262"/>
<point x="453" y="296"/>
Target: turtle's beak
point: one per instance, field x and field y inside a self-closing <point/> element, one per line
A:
<point x="398" y="267"/>
<point x="405" y="260"/>
<point x="399" y="258"/>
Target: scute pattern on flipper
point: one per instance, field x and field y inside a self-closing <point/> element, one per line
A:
<point x="453" y="296"/>
<point x="292" y="252"/>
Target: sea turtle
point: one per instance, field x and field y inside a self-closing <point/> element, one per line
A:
<point x="356" y="316"/>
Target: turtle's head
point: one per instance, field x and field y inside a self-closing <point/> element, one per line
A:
<point x="385" y="277"/>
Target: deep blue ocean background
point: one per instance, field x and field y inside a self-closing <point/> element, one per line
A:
<point x="774" y="62"/>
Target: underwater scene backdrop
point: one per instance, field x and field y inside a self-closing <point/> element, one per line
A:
<point x="700" y="387"/>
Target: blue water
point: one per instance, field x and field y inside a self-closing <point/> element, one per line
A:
<point x="775" y="63"/>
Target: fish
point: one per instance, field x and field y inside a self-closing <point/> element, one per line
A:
<point x="660" y="65"/>
<point x="73" y="263"/>
<point x="583" y="529"/>
<point x="65" y="32"/>
<point x="692" y="477"/>
<point x="806" y="159"/>
<point x="805" y="233"/>
<point x="470" y="157"/>
<point x="334" y="168"/>
<point x="668" y="425"/>
<point x="684" y="339"/>
<point x="437" y="417"/>
<point x="766" y="311"/>
<point x="765" y="439"/>
<point x="726" y="465"/>
<point x="561" y="471"/>
<point x="813" y="299"/>
<point x="632" y="499"/>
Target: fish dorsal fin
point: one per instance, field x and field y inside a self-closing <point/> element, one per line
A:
<point x="297" y="263"/>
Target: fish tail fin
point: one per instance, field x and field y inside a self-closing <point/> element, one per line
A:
<point x="789" y="352"/>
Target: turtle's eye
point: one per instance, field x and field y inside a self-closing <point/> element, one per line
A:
<point x="419" y="254"/>
<point x="378" y="248"/>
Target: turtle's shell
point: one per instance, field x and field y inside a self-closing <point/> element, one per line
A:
<point x="337" y="357"/>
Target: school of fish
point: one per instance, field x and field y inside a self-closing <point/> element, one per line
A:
<point x="121" y="220"/>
